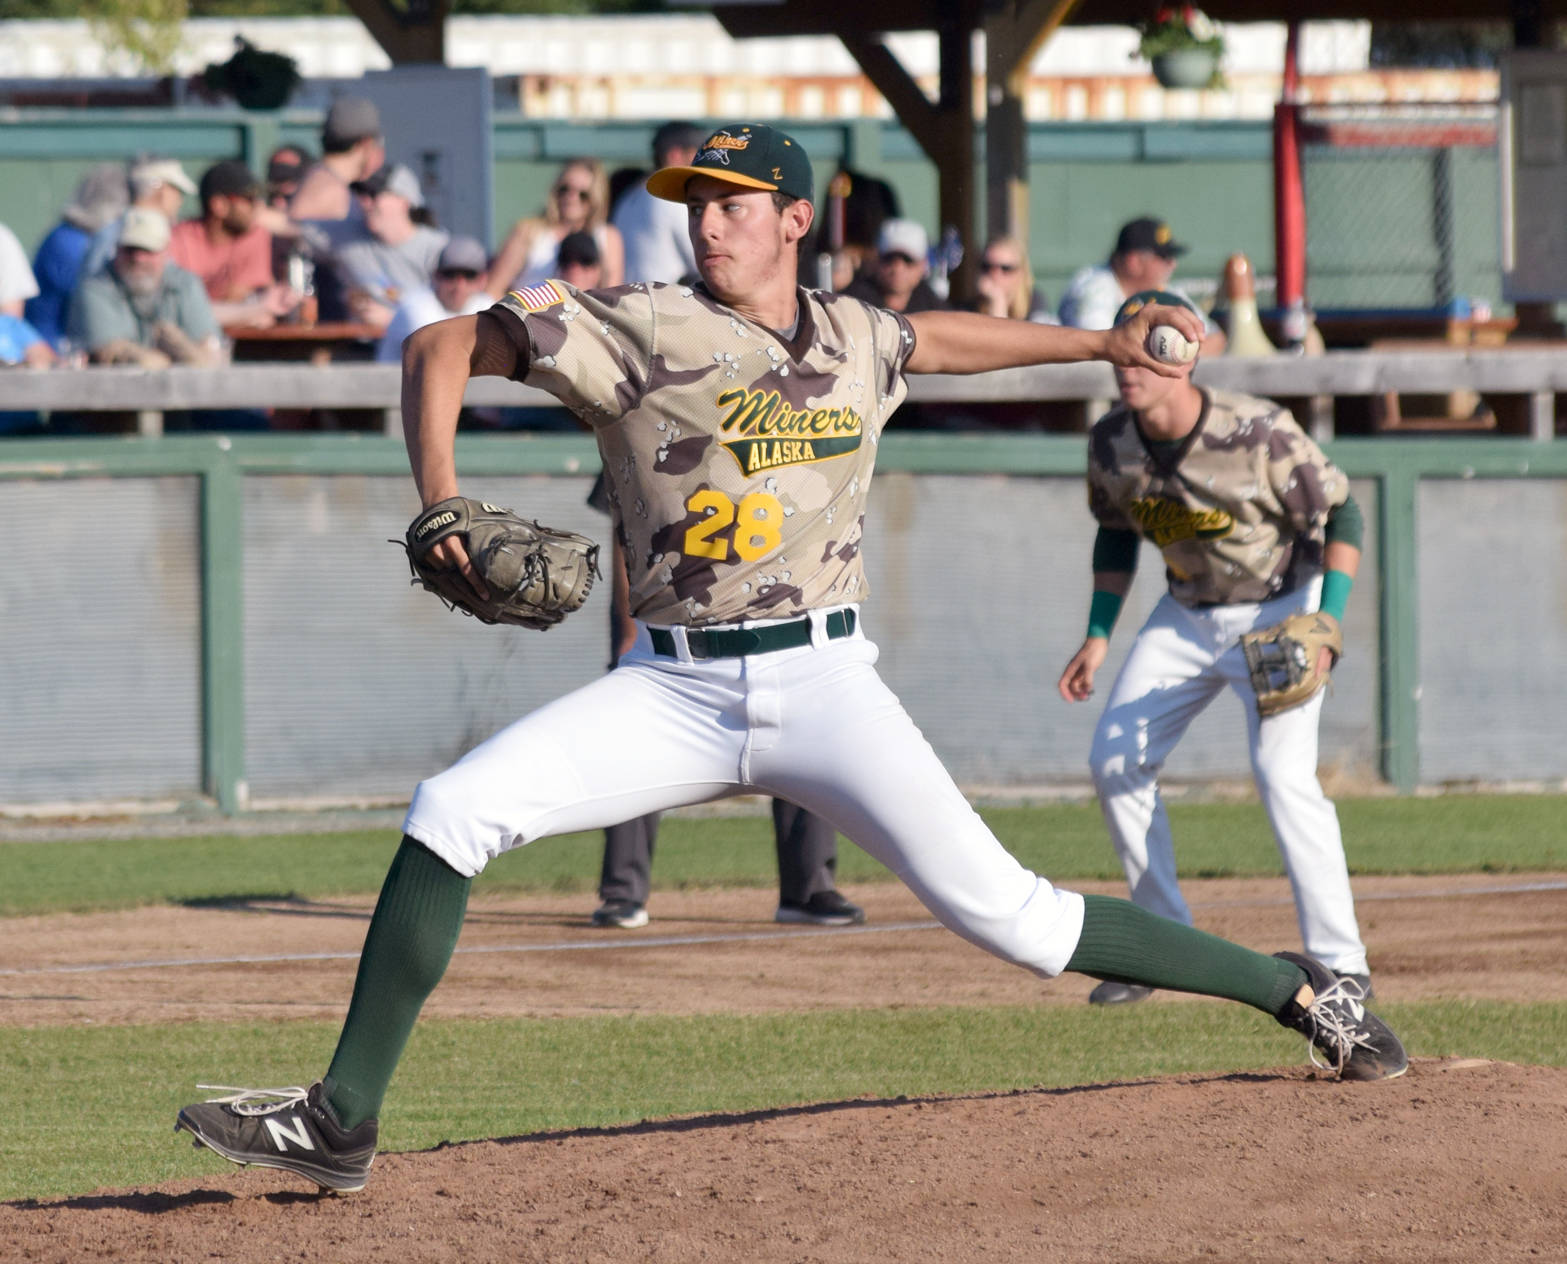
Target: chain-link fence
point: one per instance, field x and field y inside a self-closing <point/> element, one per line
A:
<point x="1401" y="205"/>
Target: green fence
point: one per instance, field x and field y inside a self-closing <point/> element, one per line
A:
<point x="244" y="631"/>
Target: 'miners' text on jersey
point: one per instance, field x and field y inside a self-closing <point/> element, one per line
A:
<point x="664" y="375"/>
<point x="1238" y="508"/>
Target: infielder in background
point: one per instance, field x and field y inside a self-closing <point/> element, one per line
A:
<point x="1254" y="524"/>
<point x="738" y="424"/>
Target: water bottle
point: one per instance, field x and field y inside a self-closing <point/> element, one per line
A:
<point x="302" y="280"/>
<point x="948" y="255"/>
<point x="1294" y="326"/>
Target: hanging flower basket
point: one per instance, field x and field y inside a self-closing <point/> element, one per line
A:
<point x="255" y="78"/>
<point x="1185" y="68"/>
<point x="1183" y="45"/>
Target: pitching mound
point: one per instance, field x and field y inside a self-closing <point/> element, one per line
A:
<point x="1456" y="1161"/>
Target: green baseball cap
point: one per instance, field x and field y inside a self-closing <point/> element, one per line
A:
<point x="748" y="154"/>
<point x="1147" y="298"/>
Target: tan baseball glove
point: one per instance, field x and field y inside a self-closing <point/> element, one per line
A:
<point x="536" y="575"/>
<point x="1283" y="660"/>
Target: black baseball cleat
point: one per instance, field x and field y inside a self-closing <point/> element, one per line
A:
<point x="1355" y="1043"/>
<point x="626" y="914"/>
<point x="1362" y="981"/>
<point x="294" y="1129"/>
<point x="825" y="908"/>
<point x="1112" y="993"/>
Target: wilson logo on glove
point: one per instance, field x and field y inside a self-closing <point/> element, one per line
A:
<point x="535" y="575"/>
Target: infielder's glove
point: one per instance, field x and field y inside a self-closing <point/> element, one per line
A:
<point x="536" y="575"/>
<point x="1283" y="659"/>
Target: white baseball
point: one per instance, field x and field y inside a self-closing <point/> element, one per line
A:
<point x="1169" y="345"/>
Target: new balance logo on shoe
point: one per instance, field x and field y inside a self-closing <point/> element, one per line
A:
<point x="294" y="1129"/>
<point x="282" y="1134"/>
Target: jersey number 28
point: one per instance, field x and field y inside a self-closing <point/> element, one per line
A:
<point x="758" y="522"/>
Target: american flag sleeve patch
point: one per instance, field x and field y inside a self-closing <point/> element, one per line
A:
<point x="535" y="298"/>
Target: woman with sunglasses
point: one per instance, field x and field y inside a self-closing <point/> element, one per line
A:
<point x="1006" y="284"/>
<point x="578" y="203"/>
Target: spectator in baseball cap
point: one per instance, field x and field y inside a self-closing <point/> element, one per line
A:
<point x="285" y="168"/>
<point x="579" y="261"/>
<point x="387" y="254"/>
<point x="657" y="239"/>
<point x="351" y="149"/>
<point x="1152" y="235"/>
<point x="231" y="251"/>
<point x="143" y="309"/>
<point x="395" y="179"/>
<point x="100" y="198"/>
<point x="158" y="184"/>
<point x="1143" y="258"/>
<point x="456" y="289"/>
<point x="896" y="280"/>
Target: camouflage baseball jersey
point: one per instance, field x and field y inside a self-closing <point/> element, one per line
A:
<point x="737" y="465"/>
<point x="1238" y="508"/>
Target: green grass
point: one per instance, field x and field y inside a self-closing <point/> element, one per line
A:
<point x="1453" y="834"/>
<point x="91" y="1108"/>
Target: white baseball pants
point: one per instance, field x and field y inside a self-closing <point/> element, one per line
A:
<point x="814" y="725"/>
<point x="1179" y="662"/>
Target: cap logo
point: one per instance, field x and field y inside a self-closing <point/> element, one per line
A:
<point x="1162" y="234"/>
<point x="714" y="150"/>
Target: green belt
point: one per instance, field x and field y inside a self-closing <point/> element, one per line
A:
<point x="738" y="642"/>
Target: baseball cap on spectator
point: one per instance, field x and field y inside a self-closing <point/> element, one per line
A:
<point x="100" y="197"/>
<point x="1145" y="298"/>
<point x="392" y="178"/>
<point x="1148" y="234"/>
<point x="350" y="119"/>
<point x="578" y="248"/>
<point x="284" y="170"/>
<point x="144" y="229"/>
<point x="676" y="135"/>
<point x="903" y="237"/>
<point x="462" y="254"/>
<point x="147" y="175"/>
<point x="229" y="178"/>
<point x="748" y="154"/>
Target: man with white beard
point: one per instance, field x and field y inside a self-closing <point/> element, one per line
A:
<point x="142" y="309"/>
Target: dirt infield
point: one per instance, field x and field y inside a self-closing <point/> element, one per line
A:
<point x="1458" y="1161"/>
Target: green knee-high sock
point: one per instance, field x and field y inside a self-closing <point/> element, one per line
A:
<point x="1131" y="945"/>
<point x="410" y="940"/>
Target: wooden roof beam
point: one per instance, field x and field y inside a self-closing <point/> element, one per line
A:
<point x="410" y="32"/>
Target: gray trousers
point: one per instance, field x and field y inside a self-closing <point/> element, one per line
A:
<point x="807" y="856"/>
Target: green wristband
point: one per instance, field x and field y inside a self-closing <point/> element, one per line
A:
<point x="1102" y="612"/>
<point x="1335" y="593"/>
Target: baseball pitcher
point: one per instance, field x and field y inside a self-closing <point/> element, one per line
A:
<point x="738" y="423"/>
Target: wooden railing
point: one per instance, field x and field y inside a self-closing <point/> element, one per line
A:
<point x="1533" y="374"/>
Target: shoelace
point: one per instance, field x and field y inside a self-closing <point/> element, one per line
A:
<point x="256" y="1101"/>
<point x="1336" y="1014"/>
